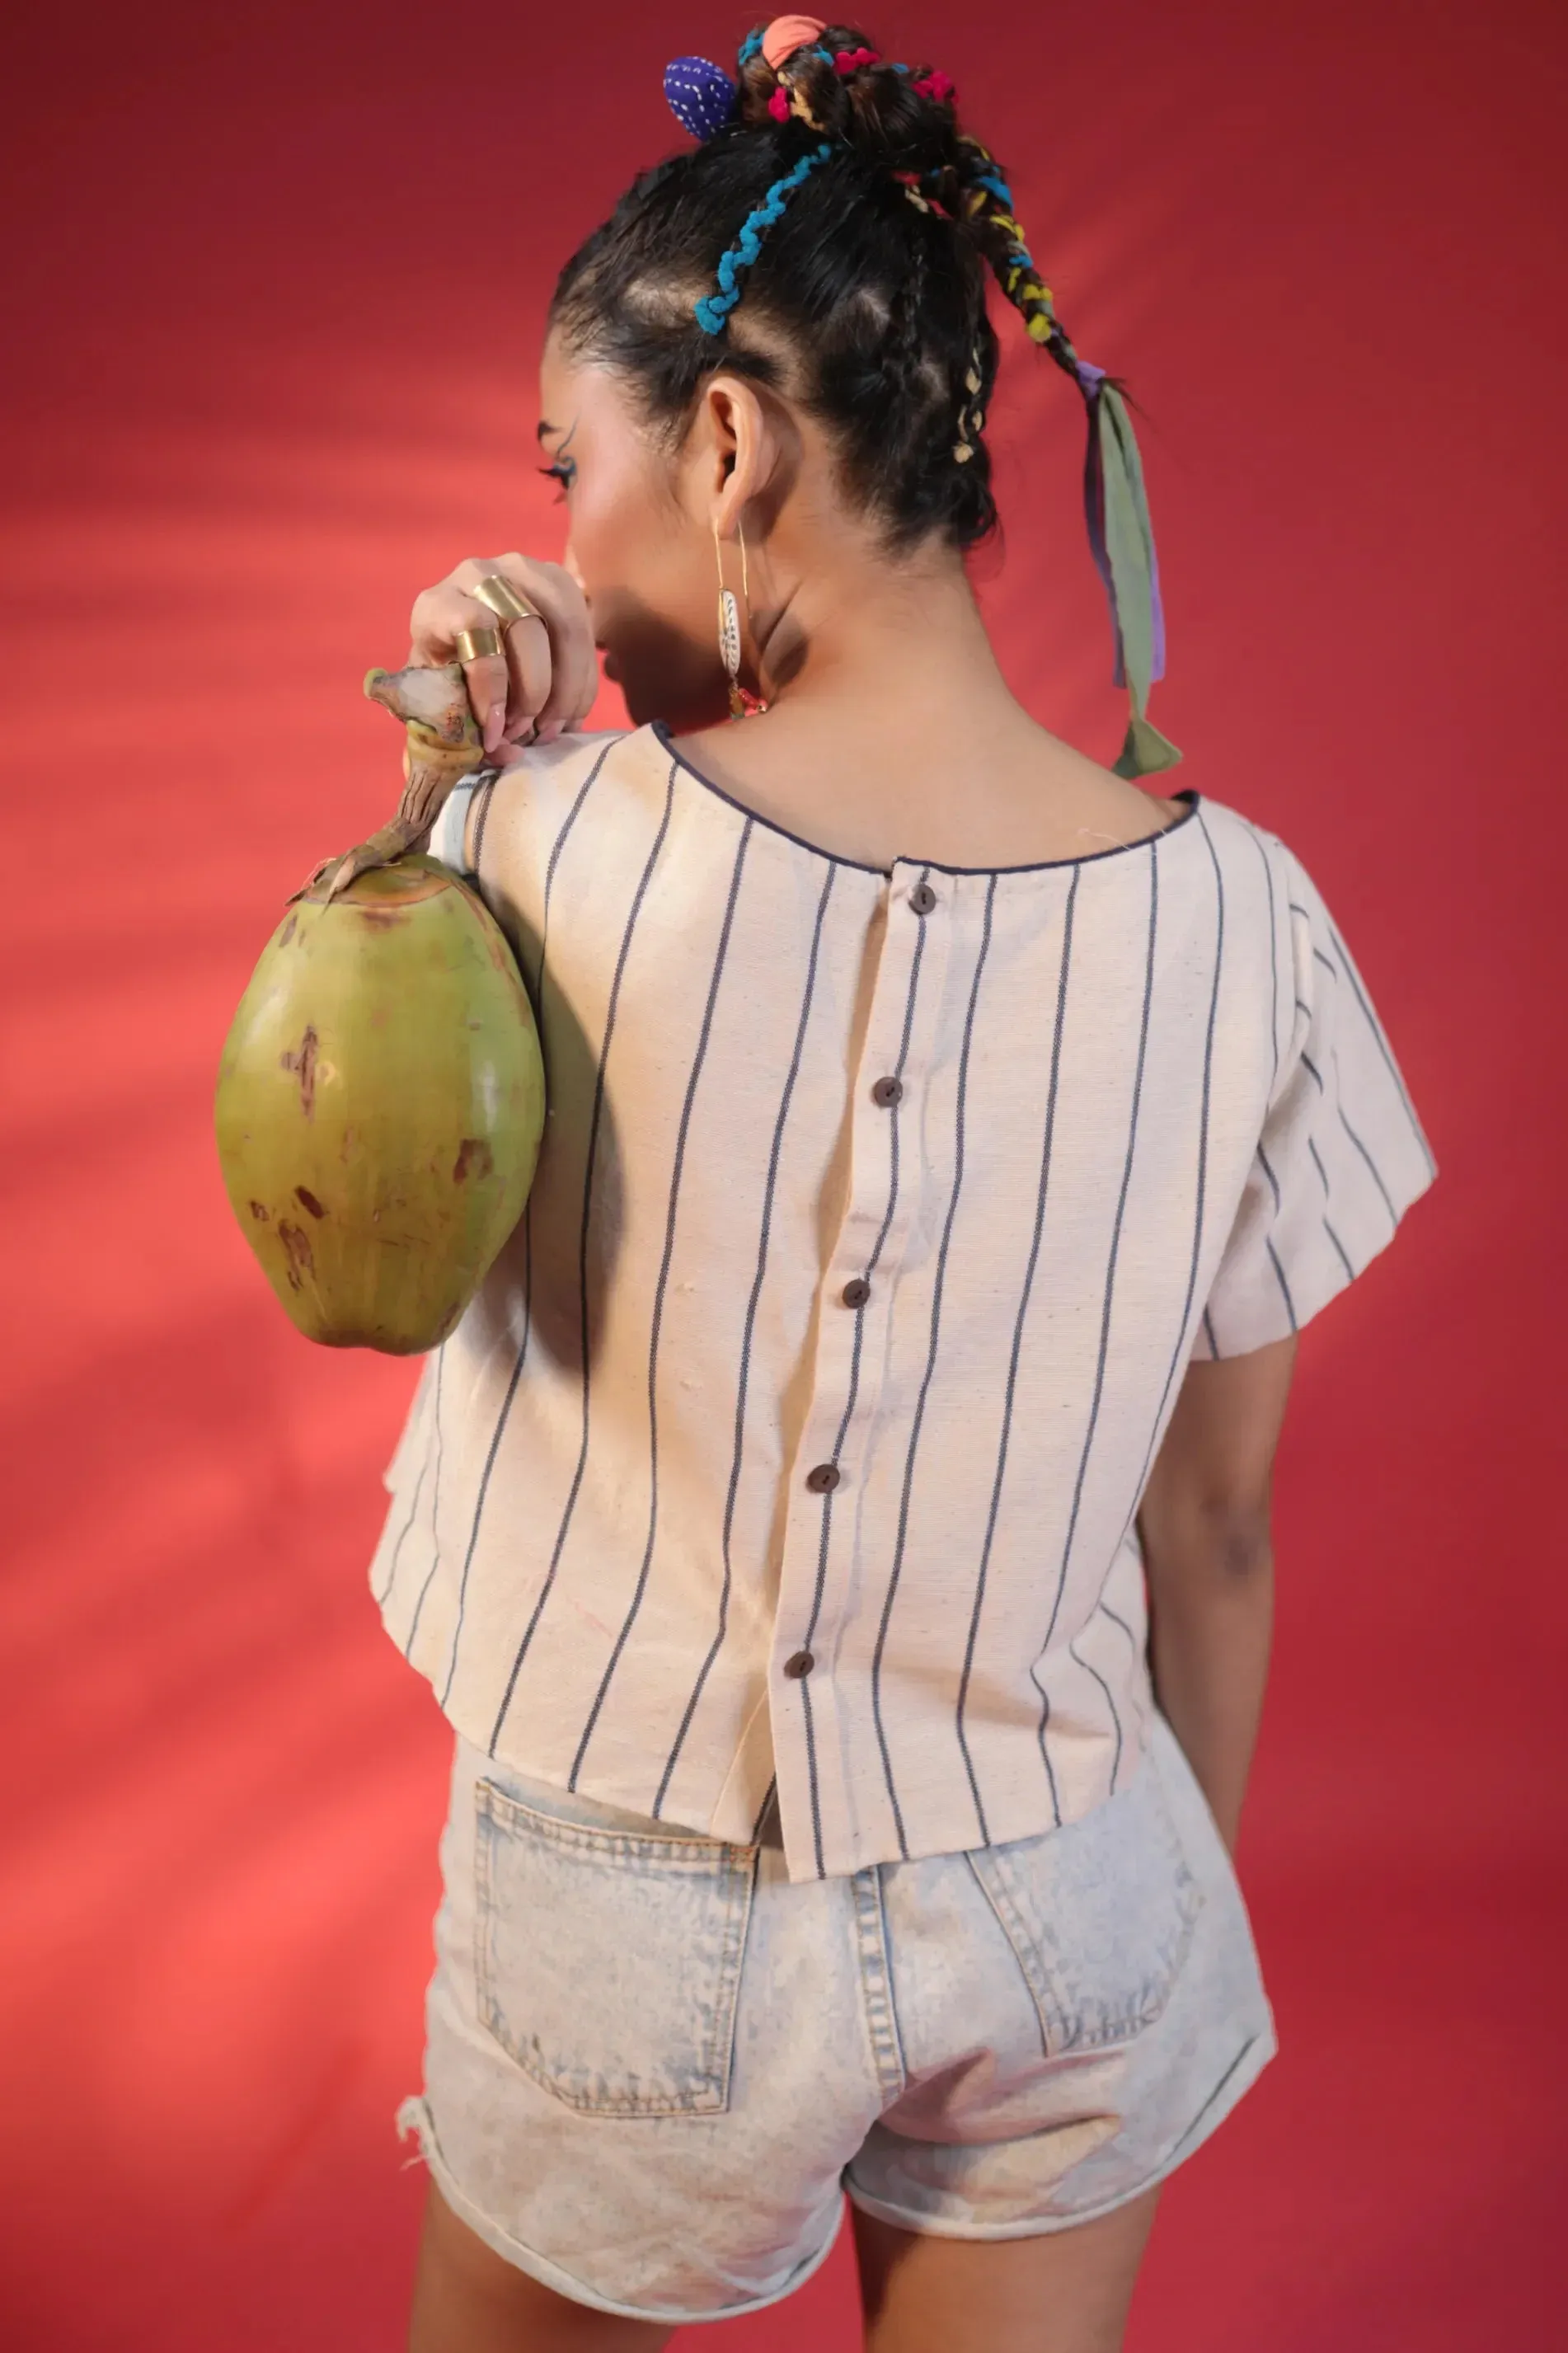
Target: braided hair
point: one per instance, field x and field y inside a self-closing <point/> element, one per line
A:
<point x="842" y="212"/>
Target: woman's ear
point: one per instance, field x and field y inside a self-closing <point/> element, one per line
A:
<point x="744" y="442"/>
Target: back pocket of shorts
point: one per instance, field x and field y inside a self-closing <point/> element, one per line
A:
<point x="608" y="1962"/>
<point x="1099" y="1914"/>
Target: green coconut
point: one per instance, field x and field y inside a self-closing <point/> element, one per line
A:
<point x="380" y="1095"/>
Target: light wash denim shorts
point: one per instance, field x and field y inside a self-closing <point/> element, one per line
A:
<point x="655" y="2067"/>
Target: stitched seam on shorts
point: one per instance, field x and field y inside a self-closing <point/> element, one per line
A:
<point x="1053" y="2011"/>
<point x="713" y="2096"/>
<point x="673" y="1845"/>
<point x="875" y="1977"/>
<point x="1012" y="1930"/>
<point x="739" y="1886"/>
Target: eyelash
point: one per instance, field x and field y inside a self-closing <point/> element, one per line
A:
<point x="564" y="471"/>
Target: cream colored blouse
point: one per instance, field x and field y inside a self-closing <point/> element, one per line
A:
<point x="796" y="1438"/>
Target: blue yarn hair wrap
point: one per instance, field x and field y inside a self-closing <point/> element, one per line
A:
<point x="713" y="309"/>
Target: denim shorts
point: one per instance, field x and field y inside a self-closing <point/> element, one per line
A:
<point x="655" y="2067"/>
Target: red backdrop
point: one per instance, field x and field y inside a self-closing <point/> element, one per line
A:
<point x="277" y="279"/>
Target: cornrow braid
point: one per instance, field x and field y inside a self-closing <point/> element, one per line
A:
<point x="989" y="208"/>
<point x="971" y="416"/>
<point x="870" y="224"/>
<point x="714" y="308"/>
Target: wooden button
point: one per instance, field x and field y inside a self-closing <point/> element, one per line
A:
<point x="923" y="898"/>
<point x="855" y="1292"/>
<point x="823" y="1478"/>
<point x="886" y="1091"/>
<point x="800" y="1663"/>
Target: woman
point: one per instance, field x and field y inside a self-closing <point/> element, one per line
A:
<point x="838" y="1532"/>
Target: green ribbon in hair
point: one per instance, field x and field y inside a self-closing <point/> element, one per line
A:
<point x="1123" y="542"/>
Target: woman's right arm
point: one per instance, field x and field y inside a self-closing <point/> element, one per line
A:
<point x="1204" y="1522"/>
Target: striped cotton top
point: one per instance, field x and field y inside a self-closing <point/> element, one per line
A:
<point x="790" y="1451"/>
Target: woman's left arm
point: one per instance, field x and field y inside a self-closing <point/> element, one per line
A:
<point x="1209" y="1558"/>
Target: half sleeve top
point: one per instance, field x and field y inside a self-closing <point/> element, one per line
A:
<point x="793" y="1445"/>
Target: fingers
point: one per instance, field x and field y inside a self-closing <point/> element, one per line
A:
<point x="547" y="675"/>
<point x="531" y="665"/>
<point x="488" y="684"/>
<point x="575" y="679"/>
<point x="440" y="616"/>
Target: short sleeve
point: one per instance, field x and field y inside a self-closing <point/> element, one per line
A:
<point x="447" y="832"/>
<point x="416" y="1430"/>
<point x="1341" y="1155"/>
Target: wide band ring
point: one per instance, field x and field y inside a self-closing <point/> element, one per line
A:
<point x="477" y="645"/>
<point x="498" y="592"/>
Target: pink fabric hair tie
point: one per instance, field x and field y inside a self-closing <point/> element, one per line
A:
<point x="846" y="60"/>
<point x="787" y="34"/>
<point x="778" y="105"/>
<point x="936" y="86"/>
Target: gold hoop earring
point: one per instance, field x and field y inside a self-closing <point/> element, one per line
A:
<point x="729" y="631"/>
<point x="742" y="704"/>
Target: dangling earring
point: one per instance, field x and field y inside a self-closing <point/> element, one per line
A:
<point x="729" y="631"/>
<point x="740" y="704"/>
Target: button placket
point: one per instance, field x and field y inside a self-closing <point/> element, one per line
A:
<point x="849" y="1349"/>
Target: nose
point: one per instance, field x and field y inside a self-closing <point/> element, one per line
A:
<point x="570" y="564"/>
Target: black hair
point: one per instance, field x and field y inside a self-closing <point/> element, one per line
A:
<point x="872" y="279"/>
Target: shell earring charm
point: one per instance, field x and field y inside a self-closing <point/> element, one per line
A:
<point x="729" y="632"/>
<point x="742" y="704"/>
<point x="729" y="629"/>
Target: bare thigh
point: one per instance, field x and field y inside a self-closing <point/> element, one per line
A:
<point x="468" y="2299"/>
<point x="1064" y="2291"/>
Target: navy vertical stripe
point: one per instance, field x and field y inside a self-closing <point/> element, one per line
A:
<point x="1011" y="1390"/>
<point x="384" y="1595"/>
<point x="481" y="817"/>
<point x="1203" y="1161"/>
<point x="639" y="896"/>
<point x="897" y="1566"/>
<point x="1115" y="1245"/>
<point x="1134" y="1644"/>
<point x="1375" y="1026"/>
<point x="697" y="1060"/>
<point x="435" y="1513"/>
<point x="1344" y="1123"/>
<point x="747" y="1331"/>
<point x="1273" y="1180"/>
<point x="1110" y="1701"/>
<point x="505" y="1413"/>
<point x="1284" y="1286"/>
<point x="1273" y="964"/>
<point x="854" y="1389"/>
<point x="1268" y="1246"/>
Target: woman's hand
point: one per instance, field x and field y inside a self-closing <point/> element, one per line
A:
<point x="545" y="678"/>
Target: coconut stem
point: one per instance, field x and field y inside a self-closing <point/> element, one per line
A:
<point x="442" y="745"/>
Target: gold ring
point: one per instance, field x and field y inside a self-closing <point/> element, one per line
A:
<point x="504" y="600"/>
<point x="476" y="645"/>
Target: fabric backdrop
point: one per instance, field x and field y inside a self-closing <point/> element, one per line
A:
<point x="275" y="280"/>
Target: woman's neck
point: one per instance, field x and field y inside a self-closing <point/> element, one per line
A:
<point x="900" y="644"/>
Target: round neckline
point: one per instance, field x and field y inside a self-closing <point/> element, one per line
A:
<point x="662" y="733"/>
